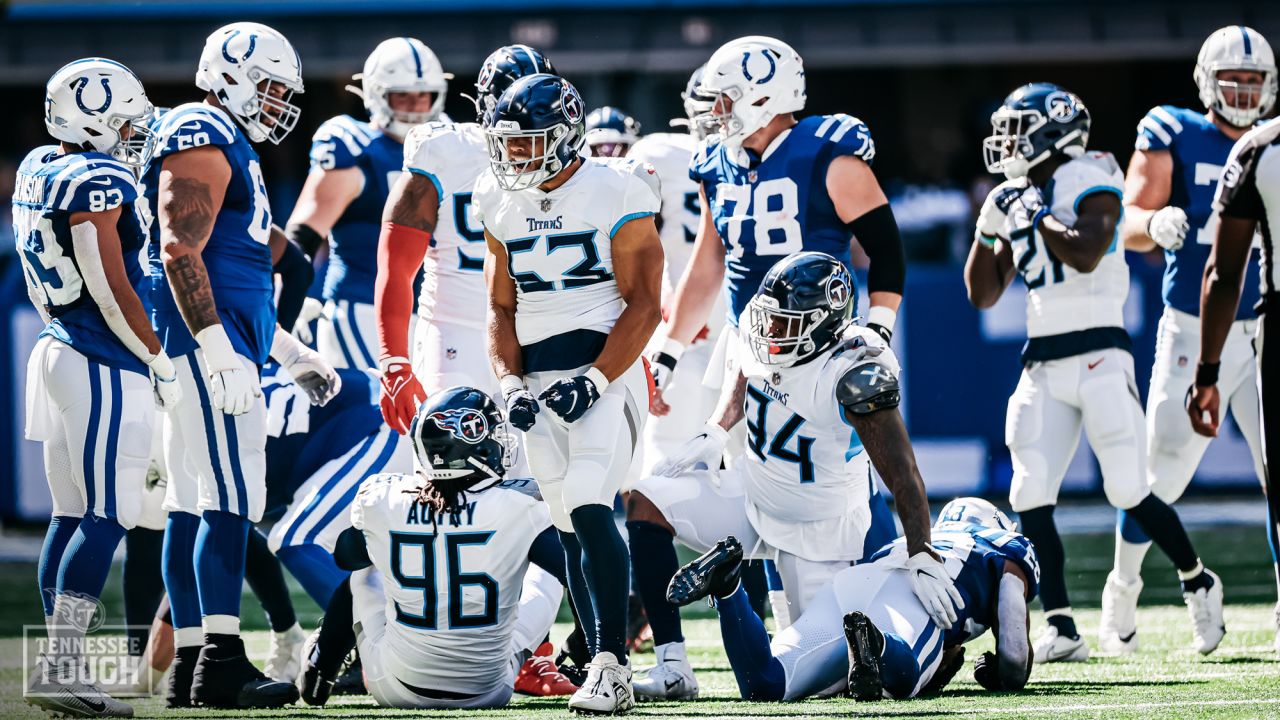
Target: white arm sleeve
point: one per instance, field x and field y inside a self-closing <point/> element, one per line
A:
<point x="1012" y="644"/>
<point x="84" y="239"/>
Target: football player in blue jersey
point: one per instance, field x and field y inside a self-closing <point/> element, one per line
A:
<point x="892" y="648"/>
<point x="611" y="132"/>
<point x="353" y="166"/>
<point x="212" y="252"/>
<point x="1169" y="189"/>
<point x="92" y="374"/>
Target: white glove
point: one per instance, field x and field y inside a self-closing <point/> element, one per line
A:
<point x="935" y="590"/>
<point x="1168" y="227"/>
<point x="232" y="388"/>
<point x="312" y="309"/>
<point x="313" y="373"/>
<point x="164" y="381"/>
<point x="704" y="449"/>
<point x="995" y="210"/>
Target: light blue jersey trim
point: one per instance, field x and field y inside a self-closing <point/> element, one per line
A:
<point x="626" y="219"/>
<point x="434" y="181"/>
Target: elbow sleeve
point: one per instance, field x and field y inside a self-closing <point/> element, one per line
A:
<point x="296" y="274"/>
<point x="877" y="231"/>
<point x="306" y="238"/>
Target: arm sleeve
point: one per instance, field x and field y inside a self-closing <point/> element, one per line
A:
<point x="877" y="232"/>
<point x="296" y="274"/>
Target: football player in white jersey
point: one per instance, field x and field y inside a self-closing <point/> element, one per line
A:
<point x="429" y="219"/>
<point x="574" y="271"/>
<point x="450" y="608"/>
<point x="91" y="375"/>
<point x="1055" y="222"/>
<point x="820" y="398"/>
<point x="353" y="166"/>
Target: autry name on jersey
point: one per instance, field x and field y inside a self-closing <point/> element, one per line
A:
<point x="420" y="514"/>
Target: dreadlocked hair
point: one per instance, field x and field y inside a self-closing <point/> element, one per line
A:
<point x="443" y="495"/>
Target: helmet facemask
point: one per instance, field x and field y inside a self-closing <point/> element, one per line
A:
<point x="780" y="337"/>
<point x="1010" y="150"/>
<point x="136" y="149"/>
<point x="271" y="115"/>
<point x="520" y="172"/>
<point x="1252" y="101"/>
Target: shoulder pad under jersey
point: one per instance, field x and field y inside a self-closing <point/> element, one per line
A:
<point x="869" y="387"/>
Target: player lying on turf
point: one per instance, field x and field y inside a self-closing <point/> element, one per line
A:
<point x="867" y="631"/>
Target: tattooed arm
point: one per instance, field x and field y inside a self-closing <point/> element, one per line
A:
<point x="192" y="186"/>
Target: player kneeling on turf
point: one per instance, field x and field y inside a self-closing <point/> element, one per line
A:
<point x="445" y="613"/>
<point x="893" y="647"/>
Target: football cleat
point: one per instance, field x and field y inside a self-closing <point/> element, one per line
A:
<point x="1118" y="629"/>
<point x="351" y="679"/>
<point x="1205" y="607"/>
<point x="178" y="694"/>
<point x="866" y="645"/>
<point x="607" y="690"/>
<point x="540" y="678"/>
<point x="285" y="655"/>
<point x="69" y="697"/>
<point x="671" y="679"/>
<point x="224" y="678"/>
<point x="314" y="685"/>
<point x="717" y="572"/>
<point x="1052" y="647"/>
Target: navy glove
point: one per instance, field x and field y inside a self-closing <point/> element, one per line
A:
<point x="522" y="406"/>
<point x="571" y="398"/>
<point x="986" y="671"/>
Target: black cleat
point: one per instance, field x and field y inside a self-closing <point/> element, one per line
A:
<point x="717" y="572"/>
<point x="351" y="680"/>
<point x="866" y="645"/>
<point x="314" y="684"/>
<point x="224" y="678"/>
<point x="180" y="673"/>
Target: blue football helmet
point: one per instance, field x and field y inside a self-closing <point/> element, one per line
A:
<point x="1036" y="122"/>
<point x="503" y="67"/>
<point x="802" y="308"/>
<point x="535" y="131"/>
<point x="975" y="511"/>
<point x="611" y="132"/>
<point x="459" y="435"/>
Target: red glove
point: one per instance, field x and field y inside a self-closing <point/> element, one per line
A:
<point x="401" y="393"/>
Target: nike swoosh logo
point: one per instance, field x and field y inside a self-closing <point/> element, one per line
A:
<point x="1096" y="363"/>
<point x="96" y="706"/>
<point x="101" y="181"/>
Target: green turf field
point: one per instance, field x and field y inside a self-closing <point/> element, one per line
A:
<point x="1164" y="679"/>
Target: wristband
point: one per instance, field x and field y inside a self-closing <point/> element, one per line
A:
<point x="285" y="348"/>
<point x="882" y="316"/>
<point x="510" y="384"/>
<point x="671" y="348"/>
<point x="986" y="241"/>
<point x="596" y="377"/>
<point x="1207" y="374"/>
<point x="218" y="353"/>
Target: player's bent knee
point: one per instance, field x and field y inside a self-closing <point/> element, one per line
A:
<point x="642" y="509"/>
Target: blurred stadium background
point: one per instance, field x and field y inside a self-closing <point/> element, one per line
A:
<point x="924" y="75"/>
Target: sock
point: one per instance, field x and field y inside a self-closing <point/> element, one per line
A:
<point x="1064" y="621"/>
<point x="266" y="579"/>
<point x="71" y="614"/>
<point x="654" y="562"/>
<point x="220" y="559"/>
<point x="883" y="530"/>
<point x="607" y="568"/>
<point x="315" y="569"/>
<point x="1038" y="527"/>
<point x="337" y="634"/>
<point x="756" y="585"/>
<point x="778" y="604"/>
<point x="1131" y="547"/>
<point x="899" y="669"/>
<point x="760" y="675"/>
<point x="143" y="583"/>
<point x="61" y="529"/>
<point x="1195" y="579"/>
<point x="87" y="558"/>
<point x="179" y="569"/>
<point x="1162" y="525"/>
<point x="579" y="595"/>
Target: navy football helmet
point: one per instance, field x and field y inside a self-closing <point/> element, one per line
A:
<point x="698" y="106"/>
<point x="1036" y="122"/>
<point x="611" y="132"/>
<point x="503" y="67"/>
<point x="534" y="131"/>
<point x="802" y="308"/>
<point x="975" y="511"/>
<point x="460" y="436"/>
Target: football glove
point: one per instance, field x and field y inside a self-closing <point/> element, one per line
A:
<point x="705" y="449"/>
<point x="663" y="363"/>
<point x="164" y="381"/>
<point x="995" y="210"/>
<point x="986" y="671"/>
<point x="522" y="406"/>
<point x="310" y="371"/>
<point x="401" y="393"/>
<point x="1168" y="227"/>
<point x="571" y="398"/>
<point x="232" y="389"/>
<point x="312" y="309"/>
<point x="935" y="590"/>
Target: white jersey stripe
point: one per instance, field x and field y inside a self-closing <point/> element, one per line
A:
<point x="1156" y="129"/>
<point x="1167" y="118"/>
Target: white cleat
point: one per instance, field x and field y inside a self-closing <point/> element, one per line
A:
<point x="73" y="698"/>
<point x="1277" y="640"/>
<point x="1052" y="647"/>
<point x="284" y="660"/>
<point x="671" y="679"/>
<point x="1118" y="630"/>
<point x="1205" y="607"/>
<point x="607" y="689"/>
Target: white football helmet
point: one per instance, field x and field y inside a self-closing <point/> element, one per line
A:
<point x="763" y="78"/>
<point x="401" y="64"/>
<point x="236" y="59"/>
<point x="90" y="101"/>
<point x="1236" y="48"/>
<point x="975" y="511"/>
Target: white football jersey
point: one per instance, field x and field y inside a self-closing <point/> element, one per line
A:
<point x="803" y="460"/>
<point x="453" y="156"/>
<point x="452" y="586"/>
<point x="1061" y="299"/>
<point x="558" y="243"/>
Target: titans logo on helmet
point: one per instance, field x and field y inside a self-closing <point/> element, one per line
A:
<point x="838" y="290"/>
<point x="466" y="424"/>
<point x="571" y="104"/>
<point x="1061" y="107"/>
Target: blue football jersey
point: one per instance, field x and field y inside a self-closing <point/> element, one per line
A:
<point x="50" y="186"/>
<point x="766" y="208"/>
<point x="975" y="558"/>
<point x="344" y="142"/>
<point x="237" y="256"/>
<point x="1199" y="151"/>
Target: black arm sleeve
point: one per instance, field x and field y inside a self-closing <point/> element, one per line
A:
<point x="350" y="552"/>
<point x="877" y="232"/>
<point x="296" y="274"/>
<point x="309" y="240"/>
